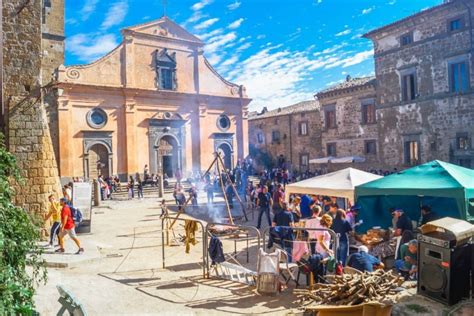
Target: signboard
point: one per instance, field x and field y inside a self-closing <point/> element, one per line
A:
<point x="82" y="200"/>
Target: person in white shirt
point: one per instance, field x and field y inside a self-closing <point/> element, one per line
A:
<point x="313" y="222"/>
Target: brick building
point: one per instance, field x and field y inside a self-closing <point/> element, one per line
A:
<point x="290" y="135"/>
<point x="348" y="120"/>
<point x="424" y="71"/>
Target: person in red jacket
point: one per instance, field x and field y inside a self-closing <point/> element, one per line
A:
<point x="67" y="227"/>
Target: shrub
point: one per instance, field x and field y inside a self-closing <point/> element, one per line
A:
<point x="19" y="236"/>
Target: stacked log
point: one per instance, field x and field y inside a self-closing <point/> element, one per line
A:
<point x="355" y="289"/>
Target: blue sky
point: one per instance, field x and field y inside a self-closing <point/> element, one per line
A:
<point x="282" y="51"/>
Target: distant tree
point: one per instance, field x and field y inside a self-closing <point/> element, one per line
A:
<point x="19" y="236"/>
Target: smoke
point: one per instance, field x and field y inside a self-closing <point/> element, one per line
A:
<point x="215" y="213"/>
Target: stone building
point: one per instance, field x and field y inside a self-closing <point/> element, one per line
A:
<point x="348" y="120"/>
<point x="154" y="100"/>
<point x="53" y="56"/>
<point x="24" y="89"/>
<point x="424" y="70"/>
<point x="291" y="136"/>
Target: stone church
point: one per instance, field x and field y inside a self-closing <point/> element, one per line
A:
<point x="154" y="100"/>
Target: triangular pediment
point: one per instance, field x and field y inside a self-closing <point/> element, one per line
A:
<point x="165" y="57"/>
<point x="164" y="27"/>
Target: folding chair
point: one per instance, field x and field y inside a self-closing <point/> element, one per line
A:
<point x="287" y="269"/>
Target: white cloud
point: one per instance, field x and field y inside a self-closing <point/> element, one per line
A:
<point x="261" y="36"/>
<point x="231" y="61"/>
<point x="205" y="24"/>
<point x="88" y="9"/>
<point x="234" y="5"/>
<point x="367" y="11"/>
<point x="215" y="32"/>
<point x="352" y="60"/>
<point x="195" y="17"/>
<point x="244" y="47"/>
<point x="115" y="15"/>
<point x="200" y="5"/>
<point x="214" y="59"/>
<point x="217" y="42"/>
<point x="358" y="58"/>
<point x="392" y="2"/>
<point x="236" y="24"/>
<point x="345" y="32"/>
<point x="274" y="77"/>
<point x="87" y="47"/>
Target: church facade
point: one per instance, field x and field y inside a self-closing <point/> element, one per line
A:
<point x="154" y="100"/>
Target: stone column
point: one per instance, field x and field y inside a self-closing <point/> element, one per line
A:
<point x="196" y="127"/>
<point x="242" y="131"/>
<point x="130" y="132"/>
<point x="65" y="149"/>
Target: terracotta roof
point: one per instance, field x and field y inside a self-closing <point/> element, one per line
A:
<point x="347" y="84"/>
<point x="404" y="20"/>
<point x="305" y="106"/>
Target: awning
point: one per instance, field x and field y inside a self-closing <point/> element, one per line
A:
<point x="321" y="160"/>
<point x="340" y="184"/>
<point x="349" y="159"/>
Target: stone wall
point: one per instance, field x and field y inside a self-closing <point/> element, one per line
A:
<point x="292" y="145"/>
<point x="53" y="56"/>
<point x="436" y="117"/>
<point x="27" y="129"/>
<point x="350" y="133"/>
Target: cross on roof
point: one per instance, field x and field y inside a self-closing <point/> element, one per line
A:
<point x="165" y="3"/>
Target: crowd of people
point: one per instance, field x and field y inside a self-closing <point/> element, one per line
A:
<point x="316" y="212"/>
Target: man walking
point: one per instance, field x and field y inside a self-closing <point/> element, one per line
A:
<point x="67" y="228"/>
<point x="264" y="201"/>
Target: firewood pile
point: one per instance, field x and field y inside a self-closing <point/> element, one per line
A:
<point x="355" y="289"/>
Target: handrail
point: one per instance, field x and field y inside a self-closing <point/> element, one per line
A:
<point x="204" y="240"/>
<point x="244" y="227"/>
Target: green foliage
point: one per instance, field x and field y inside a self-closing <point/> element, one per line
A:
<point x="19" y="236"/>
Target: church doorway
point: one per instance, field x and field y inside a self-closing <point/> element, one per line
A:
<point x="226" y="154"/>
<point x="168" y="158"/>
<point x="98" y="161"/>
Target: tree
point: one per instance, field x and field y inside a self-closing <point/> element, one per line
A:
<point x="19" y="236"/>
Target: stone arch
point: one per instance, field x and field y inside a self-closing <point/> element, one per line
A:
<point x="98" y="158"/>
<point x="227" y="154"/>
<point x="168" y="155"/>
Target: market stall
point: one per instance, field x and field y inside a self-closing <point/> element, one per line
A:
<point x="339" y="184"/>
<point x="447" y="188"/>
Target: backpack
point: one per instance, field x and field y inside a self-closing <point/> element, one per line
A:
<point x="76" y="215"/>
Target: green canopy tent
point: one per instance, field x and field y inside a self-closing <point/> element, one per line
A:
<point x="447" y="188"/>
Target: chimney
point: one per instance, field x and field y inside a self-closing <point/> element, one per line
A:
<point x="348" y="78"/>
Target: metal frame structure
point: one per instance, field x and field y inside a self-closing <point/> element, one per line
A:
<point x="204" y="240"/>
<point x="208" y="234"/>
<point x="335" y="244"/>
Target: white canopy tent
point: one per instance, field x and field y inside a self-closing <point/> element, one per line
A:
<point x="339" y="184"/>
